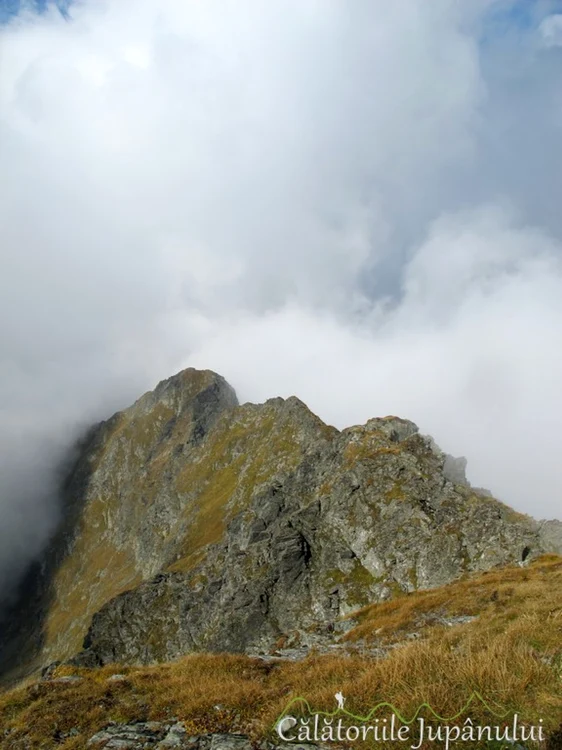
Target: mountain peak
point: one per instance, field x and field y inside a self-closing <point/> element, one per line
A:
<point x="197" y="523"/>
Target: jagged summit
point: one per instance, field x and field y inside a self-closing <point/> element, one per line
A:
<point x="196" y="523"/>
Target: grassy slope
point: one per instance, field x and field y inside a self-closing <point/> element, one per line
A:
<point x="511" y="654"/>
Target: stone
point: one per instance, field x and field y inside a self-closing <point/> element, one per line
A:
<point x="229" y="742"/>
<point x="551" y="536"/>
<point x="175" y="738"/>
<point x="145" y="735"/>
<point x="134" y="736"/>
<point x="454" y="469"/>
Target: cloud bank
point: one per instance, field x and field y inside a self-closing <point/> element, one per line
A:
<point x="354" y="202"/>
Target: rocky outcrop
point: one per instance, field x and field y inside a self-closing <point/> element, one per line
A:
<point x="550" y="533"/>
<point x="152" y="734"/>
<point x="202" y="524"/>
<point x="162" y="736"/>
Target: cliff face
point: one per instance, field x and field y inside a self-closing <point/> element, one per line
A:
<point x="200" y="524"/>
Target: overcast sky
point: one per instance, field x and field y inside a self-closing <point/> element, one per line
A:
<point x="354" y="202"/>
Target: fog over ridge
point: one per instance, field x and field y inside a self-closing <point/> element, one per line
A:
<point x="356" y="203"/>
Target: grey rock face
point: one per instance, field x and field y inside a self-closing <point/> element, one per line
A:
<point x="141" y="735"/>
<point x="454" y="469"/>
<point x="161" y="736"/>
<point x="205" y="525"/>
<point x="551" y="536"/>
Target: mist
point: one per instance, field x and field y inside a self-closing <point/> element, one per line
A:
<point x="356" y="203"/>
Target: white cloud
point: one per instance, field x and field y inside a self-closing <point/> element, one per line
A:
<point x="469" y="354"/>
<point x="354" y="202"/>
<point x="551" y="30"/>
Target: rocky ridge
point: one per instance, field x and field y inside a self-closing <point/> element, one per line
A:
<point x="194" y="523"/>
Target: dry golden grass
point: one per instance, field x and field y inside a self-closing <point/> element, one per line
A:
<point x="497" y="597"/>
<point x="511" y="654"/>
